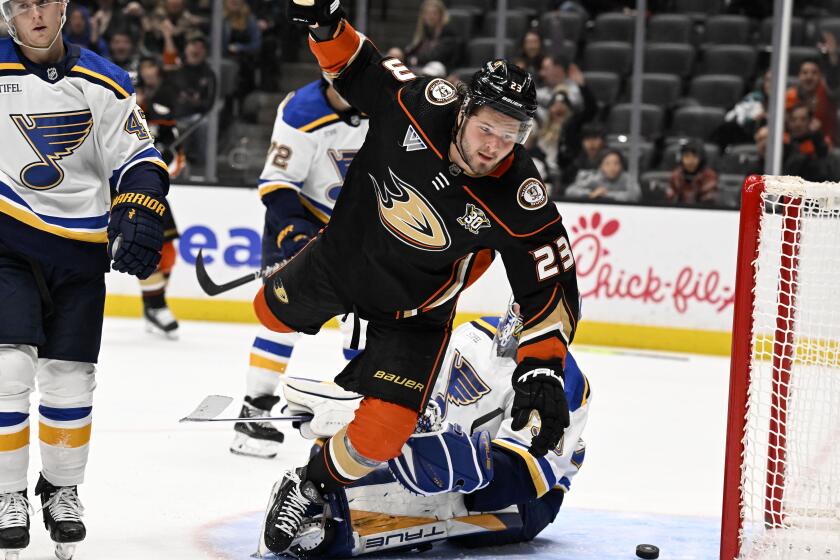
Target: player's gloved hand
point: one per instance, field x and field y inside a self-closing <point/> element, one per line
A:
<point x="323" y="13"/>
<point x="135" y="233"/>
<point x="294" y="235"/>
<point x="538" y="385"/>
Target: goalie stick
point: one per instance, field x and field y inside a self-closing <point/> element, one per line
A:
<point x="213" y="405"/>
<point x="212" y="289"/>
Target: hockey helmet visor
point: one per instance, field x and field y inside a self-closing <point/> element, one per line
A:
<point x="13" y="8"/>
<point x="507" y="89"/>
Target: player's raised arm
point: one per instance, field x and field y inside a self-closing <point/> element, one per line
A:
<point x="360" y="73"/>
<point x="541" y="271"/>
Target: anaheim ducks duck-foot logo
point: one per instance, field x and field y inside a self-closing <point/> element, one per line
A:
<point x="408" y="215"/>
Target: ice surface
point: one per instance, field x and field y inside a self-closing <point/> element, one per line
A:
<point x="159" y="489"/>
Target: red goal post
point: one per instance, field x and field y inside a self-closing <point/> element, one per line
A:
<point x="781" y="494"/>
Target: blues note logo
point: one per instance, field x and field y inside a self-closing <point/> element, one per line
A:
<point x="464" y="387"/>
<point x="53" y="136"/>
<point x="341" y="160"/>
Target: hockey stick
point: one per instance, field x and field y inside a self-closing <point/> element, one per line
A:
<point x="213" y="405"/>
<point x="212" y="289"/>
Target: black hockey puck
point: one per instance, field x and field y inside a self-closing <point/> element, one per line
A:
<point x="647" y="551"/>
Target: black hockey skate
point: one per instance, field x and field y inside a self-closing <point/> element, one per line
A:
<point x="257" y="439"/>
<point x="160" y="320"/>
<point x="62" y="516"/>
<point x="14" y="524"/>
<point x="293" y="499"/>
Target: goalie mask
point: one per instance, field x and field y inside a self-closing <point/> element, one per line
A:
<point x="14" y="8"/>
<point x="506" y="339"/>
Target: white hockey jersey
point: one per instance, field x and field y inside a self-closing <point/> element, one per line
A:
<point x="311" y="148"/>
<point x="474" y="390"/>
<point x="72" y="133"/>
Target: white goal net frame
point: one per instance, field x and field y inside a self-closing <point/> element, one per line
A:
<point x="781" y="495"/>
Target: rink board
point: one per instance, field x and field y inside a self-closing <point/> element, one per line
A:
<point x="650" y="278"/>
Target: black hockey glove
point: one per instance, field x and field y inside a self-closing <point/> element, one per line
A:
<point x="135" y="233"/>
<point x="323" y="13"/>
<point x="292" y="238"/>
<point x="538" y="385"/>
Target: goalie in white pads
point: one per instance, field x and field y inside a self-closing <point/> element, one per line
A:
<point x="465" y="475"/>
<point x="316" y="135"/>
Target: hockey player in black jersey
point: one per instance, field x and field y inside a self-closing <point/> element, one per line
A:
<point x="439" y="187"/>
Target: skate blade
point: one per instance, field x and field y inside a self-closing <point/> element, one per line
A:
<point x="151" y="328"/>
<point x="262" y="548"/>
<point x="11" y="553"/>
<point x="245" y="446"/>
<point x="65" y="551"/>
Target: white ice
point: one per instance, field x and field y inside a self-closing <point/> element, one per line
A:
<point x="159" y="489"/>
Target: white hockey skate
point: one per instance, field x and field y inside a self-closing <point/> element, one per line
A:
<point x="257" y="439"/>
<point x="62" y="516"/>
<point x="14" y="524"/>
<point x="161" y="321"/>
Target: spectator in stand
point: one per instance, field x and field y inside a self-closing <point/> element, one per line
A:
<point x="555" y="71"/>
<point x="611" y="182"/>
<point x="268" y="15"/>
<point x="539" y="159"/>
<point x="531" y="54"/>
<point x="746" y="117"/>
<point x="693" y="181"/>
<point x="106" y="21"/>
<point x="805" y="150"/>
<point x="124" y="53"/>
<point x="194" y="81"/>
<point x="195" y="84"/>
<point x="584" y="165"/>
<point x="78" y="30"/>
<point x="818" y="88"/>
<point x="434" y="39"/>
<point x="172" y="18"/>
<point x="550" y="133"/>
<point x="241" y="42"/>
<point x="558" y="136"/>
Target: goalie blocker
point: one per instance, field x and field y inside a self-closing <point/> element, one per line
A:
<point x="465" y="458"/>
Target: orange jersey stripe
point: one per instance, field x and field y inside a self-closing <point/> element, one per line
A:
<point x="417" y="126"/>
<point x="548" y="349"/>
<point x="335" y="54"/>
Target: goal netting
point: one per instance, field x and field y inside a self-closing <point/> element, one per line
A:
<point x="782" y="482"/>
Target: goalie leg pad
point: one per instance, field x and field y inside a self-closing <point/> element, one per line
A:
<point x="444" y="461"/>
<point x="331" y="407"/>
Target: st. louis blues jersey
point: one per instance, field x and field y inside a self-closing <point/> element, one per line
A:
<point x="474" y="390"/>
<point x="72" y="133"/>
<point x="311" y="148"/>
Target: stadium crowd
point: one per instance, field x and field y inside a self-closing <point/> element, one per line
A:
<point x="704" y="96"/>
